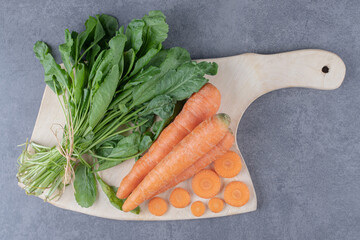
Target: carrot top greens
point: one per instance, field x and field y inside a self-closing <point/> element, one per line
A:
<point x="114" y="85"/>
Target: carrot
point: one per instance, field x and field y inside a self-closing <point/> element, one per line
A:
<point x="179" y="198"/>
<point x="228" y="165"/>
<point x="204" y="137"/>
<point x="200" y="106"/>
<point x="216" y="205"/>
<point x="157" y="206"/>
<point x="220" y="149"/>
<point x="198" y="208"/>
<point x="236" y="194"/>
<point x="206" y="184"/>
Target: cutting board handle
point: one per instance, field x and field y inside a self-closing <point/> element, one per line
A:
<point x="310" y="68"/>
<point x="243" y="78"/>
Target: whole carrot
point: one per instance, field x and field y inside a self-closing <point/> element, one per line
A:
<point x="201" y="140"/>
<point x="200" y="106"/>
<point x="220" y="149"/>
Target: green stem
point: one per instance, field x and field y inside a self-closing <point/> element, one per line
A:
<point x="115" y="159"/>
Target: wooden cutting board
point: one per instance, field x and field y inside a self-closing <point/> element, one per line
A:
<point x="241" y="79"/>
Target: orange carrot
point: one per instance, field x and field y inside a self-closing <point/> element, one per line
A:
<point x="179" y="198"/>
<point x="198" y="208"/>
<point x="236" y="194"/>
<point x="206" y="184"/>
<point x="216" y="205"/>
<point x="200" y="106"/>
<point x="157" y="206"/>
<point x="228" y="165"/>
<point x="220" y="149"/>
<point x="204" y="137"/>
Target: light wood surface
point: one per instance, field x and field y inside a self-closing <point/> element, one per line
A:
<point x="241" y="80"/>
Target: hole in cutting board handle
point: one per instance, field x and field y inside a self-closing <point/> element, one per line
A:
<point x="325" y="69"/>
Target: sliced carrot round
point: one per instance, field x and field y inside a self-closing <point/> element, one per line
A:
<point x="216" y="205"/>
<point x="157" y="206"/>
<point x="198" y="208"/>
<point x="206" y="184"/>
<point x="228" y="165"/>
<point x="179" y="198"/>
<point x="236" y="194"/>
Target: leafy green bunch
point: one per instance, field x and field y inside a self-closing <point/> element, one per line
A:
<point x="118" y="90"/>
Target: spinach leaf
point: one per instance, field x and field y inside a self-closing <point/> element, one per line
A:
<point x="55" y="77"/>
<point x="85" y="186"/>
<point x="158" y="59"/>
<point x="110" y="24"/>
<point x="179" y="83"/>
<point x="174" y="58"/>
<point x="187" y="79"/>
<point x="143" y="76"/>
<point x="162" y="106"/>
<point x="80" y="80"/>
<point x="105" y="149"/>
<point x="92" y="54"/>
<point x="103" y="96"/>
<point x="141" y="62"/>
<point x="154" y="32"/>
<point x="145" y="143"/>
<point x="161" y="63"/>
<point x="134" y="34"/>
<point x="129" y="59"/>
<point x="95" y="66"/>
<point x="106" y="60"/>
<point x="127" y="146"/>
<point x="93" y="34"/>
<point x="65" y="51"/>
<point x="158" y="126"/>
<point x="110" y="192"/>
<point x="149" y="121"/>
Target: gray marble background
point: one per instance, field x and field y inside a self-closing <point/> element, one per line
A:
<point x="302" y="146"/>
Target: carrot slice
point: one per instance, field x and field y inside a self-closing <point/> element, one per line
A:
<point x="199" y="107"/>
<point x="200" y="141"/>
<point x="157" y="206"/>
<point x="236" y="194"/>
<point x="198" y="208"/>
<point x="206" y="184"/>
<point x="216" y="205"/>
<point x="179" y="198"/>
<point x="228" y="165"/>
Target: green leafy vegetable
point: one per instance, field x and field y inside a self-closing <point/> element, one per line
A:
<point x="85" y="186"/>
<point x="102" y="97"/>
<point x="65" y="51"/>
<point x="118" y="90"/>
<point x="110" y="192"/>
<point x="55" y="77"/>
<point x="127" y="146"/>
<point x="162" y="105"/>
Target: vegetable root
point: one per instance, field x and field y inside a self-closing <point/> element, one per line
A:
<point x="200" y="106"/>
<point x="201" y="140"/>
<point x="220" y="149"/>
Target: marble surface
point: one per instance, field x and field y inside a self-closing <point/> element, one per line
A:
<point x="301" y="146"/>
